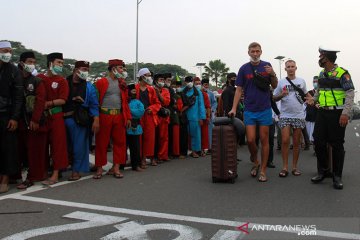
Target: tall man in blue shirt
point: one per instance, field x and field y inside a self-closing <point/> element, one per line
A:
<point x="255" y="78"/>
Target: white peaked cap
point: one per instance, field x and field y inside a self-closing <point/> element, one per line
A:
<point x="143" y="71"/>
<point x="5" y="44"/>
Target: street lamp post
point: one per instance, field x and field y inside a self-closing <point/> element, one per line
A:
<point x="280" y="58"/>
<point x="200" y="65"/>
<point x="136" y="69"/>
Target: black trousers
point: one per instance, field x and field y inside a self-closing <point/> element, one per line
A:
<point x="271" y="142"/>
<point x="328" y="130"/>
<point x="184" y="139"/>
<point x="134" y="146"/>
<point x="9" y="163"/>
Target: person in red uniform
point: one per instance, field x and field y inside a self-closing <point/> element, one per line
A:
<point x="147" y="95"/>
<point x="162" y="129"/>
<point x="115" y="117"/>
<point x="32" y="127"/>
<point x="205" y="125"/>
<point x="57" y="91"/>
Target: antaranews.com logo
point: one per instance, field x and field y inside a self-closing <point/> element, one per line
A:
<point x="301" y="230"/>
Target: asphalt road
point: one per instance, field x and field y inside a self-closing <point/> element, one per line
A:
<point x="177" y="200"/>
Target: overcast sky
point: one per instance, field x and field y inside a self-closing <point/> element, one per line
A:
<point x="185" y="32"/>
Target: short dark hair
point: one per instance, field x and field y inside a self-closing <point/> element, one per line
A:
<point x="231" y="75"/>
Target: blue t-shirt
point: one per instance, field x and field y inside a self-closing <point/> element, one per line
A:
<point x="255" y="100"/>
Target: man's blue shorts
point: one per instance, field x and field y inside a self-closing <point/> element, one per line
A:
<point x="263" y="118"/>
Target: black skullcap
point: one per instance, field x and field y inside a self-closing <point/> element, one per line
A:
<point x="167" y="75"/>
<point x="178" y="83"/>
<point x="205" y="80"/>
<point x="157" y="76"/>
<point x="26" y="55"/>
<point x="52" y="56"/>
<point x="231" y="75"/>
<point x="188" y="79"/>
<point x="131" y="86"/>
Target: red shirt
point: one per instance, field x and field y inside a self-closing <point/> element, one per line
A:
<point x="56" y="87"/>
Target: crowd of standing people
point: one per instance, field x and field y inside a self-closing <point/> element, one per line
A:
<point x="48" y="121"/>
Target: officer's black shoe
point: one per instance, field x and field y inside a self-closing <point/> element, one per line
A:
<point x="270" y="165"/>
<point x="318" y="178"/>
<point x="337" y="183"/>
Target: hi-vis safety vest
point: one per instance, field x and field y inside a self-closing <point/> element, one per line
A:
<point x="331" y="92"/>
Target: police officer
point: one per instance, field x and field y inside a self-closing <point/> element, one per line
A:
<point x="335" y="97"/>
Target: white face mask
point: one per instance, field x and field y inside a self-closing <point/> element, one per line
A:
<point x="29" y="67"/>
<point x="198" y="87"/>
<point x="124" y="75"/>
<point x="5" y="57"/>
<point x="179" y="90"/>
<point x="83" y="75"/>
<point x="255" y="60"/>
<point x="168" y="84"/>
<point x="190" y="84"/>
<point x="160" y="84"/>
<point x="148" y="80"/>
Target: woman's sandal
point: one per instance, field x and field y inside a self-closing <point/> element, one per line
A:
<point x="262" y="178"/>
<point x="283" y="173"/>
<point x="254" y="170"/>
<point x="296" y="172"/>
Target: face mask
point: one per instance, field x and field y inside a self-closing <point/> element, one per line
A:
<point x="29" y="67"/>
<point x="322" y="62"/>
<point x="198" y="87"/>
<point x="160" y="84"/>
<point x="190" y="84"/>
<point x="148" y="80"/>
<point x="55" y="70"/>
<point x="168" y="84"/>
<point x="5" y="57"/>
<point x="179" y="90"/>
<point x="117" y="74"/>
<point x="315" y="84"/>
<point x="83" y="75"/>
<point x="254" y="60"/>
<point x="124" y="75"/>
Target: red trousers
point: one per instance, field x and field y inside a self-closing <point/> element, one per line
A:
<point x="163" y="138"/>
<point x="148" y="136"/>
<point x="111" y="126"/>
<point x="32" y="147"/>
<point x="205" y="135"/>
<point x="176" y="140"/>
<point x="57" y="139"/>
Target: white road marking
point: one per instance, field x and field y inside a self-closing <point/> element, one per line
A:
<point x="92" y="220"/>
<point x="220" y="222"/>
<point x="136" y="231"/>
<point x="227" y="234"/>
<point x="357" y="134"/>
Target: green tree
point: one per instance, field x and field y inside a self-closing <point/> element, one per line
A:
<point x="216" y="71"/>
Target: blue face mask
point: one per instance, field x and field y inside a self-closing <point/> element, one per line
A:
<point x="315" y="84"/>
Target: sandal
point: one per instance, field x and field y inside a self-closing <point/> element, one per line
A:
<point x="262" y="178"/>
<point x="74" y="178"/>
<point x="254" y="170"/>
<point x="194" y="155"/>
<point x="283" y="173"/>
<point x="118" y="175"/>
<point x="49" y="182"/>
<point x="296" y="172"/>
<point x="25" y="184"/>
<point x="153" y="162"/>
